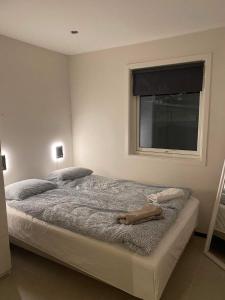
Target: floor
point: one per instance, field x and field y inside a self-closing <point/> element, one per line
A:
<point x="35" y="278"/>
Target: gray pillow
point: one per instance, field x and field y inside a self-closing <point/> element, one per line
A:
<point x="26" y="188"/>
<point x="68" y="174"/>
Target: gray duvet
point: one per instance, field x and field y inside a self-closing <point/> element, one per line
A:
<point x="91" y="205"/>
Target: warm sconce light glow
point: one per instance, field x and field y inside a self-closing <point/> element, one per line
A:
<point x="57" y="151"/>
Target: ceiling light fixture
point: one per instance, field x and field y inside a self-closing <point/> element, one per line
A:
<point x="74" y="31"/>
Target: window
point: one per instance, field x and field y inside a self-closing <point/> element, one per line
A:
<point x="169" y="108"/>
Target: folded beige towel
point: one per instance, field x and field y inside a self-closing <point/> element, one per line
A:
<point x="166" y="195"/>
<point x="123" y="221"/>
<point x="147" y="213"/>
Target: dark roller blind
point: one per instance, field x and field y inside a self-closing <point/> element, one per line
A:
<point x="170" y="79"/>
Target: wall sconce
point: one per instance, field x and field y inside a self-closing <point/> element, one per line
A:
<point x="3" y="162"/>
<point x="59" y="152"/>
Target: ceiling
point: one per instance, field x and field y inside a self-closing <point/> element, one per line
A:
<point x="104" y="24"/>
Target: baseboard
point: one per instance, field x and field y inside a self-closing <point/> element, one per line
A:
<point x="203" y="235"/>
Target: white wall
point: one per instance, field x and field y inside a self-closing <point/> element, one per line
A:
<point x="34" y="108"/>
<point x="99" y="107"/>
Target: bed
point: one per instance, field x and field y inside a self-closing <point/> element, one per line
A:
<point x="141" y="276"/>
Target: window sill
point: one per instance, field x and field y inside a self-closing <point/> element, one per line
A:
<point x="170" y="156"/>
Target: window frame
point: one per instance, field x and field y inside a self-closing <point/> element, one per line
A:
<point x="134" y="106"/>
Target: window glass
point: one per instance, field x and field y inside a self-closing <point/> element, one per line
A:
<point x="169" y="121"/>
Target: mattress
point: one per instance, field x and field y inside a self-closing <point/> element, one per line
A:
<point x="220" y="219"/>
<point x="143" y="277"/>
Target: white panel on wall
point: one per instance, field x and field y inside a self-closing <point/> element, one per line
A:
<point x="5" y="259"/>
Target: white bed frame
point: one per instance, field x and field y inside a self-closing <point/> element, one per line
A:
<point x="141" y="276"/>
